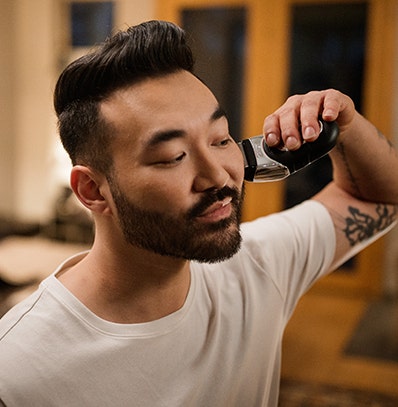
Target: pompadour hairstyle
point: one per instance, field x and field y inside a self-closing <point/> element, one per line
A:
<point x="148" y="50"/>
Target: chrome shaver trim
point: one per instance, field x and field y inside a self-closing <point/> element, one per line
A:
<point x="258" y="166"/>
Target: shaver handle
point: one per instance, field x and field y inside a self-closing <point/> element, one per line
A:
<point x="308" y="152"/>
<point x="264" y="163"/>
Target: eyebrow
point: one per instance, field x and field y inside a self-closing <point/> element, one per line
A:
<point x="163" y="136"/>
<point x="218" y="114"/>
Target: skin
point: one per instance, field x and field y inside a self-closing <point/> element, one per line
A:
<point x="124" y="283"/>
<point x="363" y="196"/>
<point x="121" y="282"/>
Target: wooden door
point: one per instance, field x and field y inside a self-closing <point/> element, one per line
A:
<point x="266" y="84"/>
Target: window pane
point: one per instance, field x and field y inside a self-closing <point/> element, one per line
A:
<point x="217" y="38"/>
<point x="91" y="22"/>
<point x="327" y="51"/>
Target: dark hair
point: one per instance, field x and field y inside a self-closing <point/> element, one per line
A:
<point x="151" y="49"/>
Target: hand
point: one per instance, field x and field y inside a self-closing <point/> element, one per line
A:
<point x="282" y="127"/>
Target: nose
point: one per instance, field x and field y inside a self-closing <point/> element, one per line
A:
<point x="210" y="174"/>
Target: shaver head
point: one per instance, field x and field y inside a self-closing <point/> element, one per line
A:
<point x="258" y="165"/>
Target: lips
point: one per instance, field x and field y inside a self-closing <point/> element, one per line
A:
<point x="215" y="205"/>
<point x="217" y="211"/>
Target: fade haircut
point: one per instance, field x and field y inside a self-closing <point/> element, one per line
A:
<point x="151" y="49"/>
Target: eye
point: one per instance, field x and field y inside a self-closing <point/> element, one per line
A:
<point x="173" y="161"/>
<point x="223" y="143"/>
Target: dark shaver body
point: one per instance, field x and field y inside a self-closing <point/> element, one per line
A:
<point x="264" y="163"/>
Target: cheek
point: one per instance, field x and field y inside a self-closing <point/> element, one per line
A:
<point x="166" y="194"/>
<point x="236" y="166"/>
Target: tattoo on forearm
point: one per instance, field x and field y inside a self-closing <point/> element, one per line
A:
<point x="361" y="226"/>
<point x="341" y="149"/>
<point x="383" y="137"/>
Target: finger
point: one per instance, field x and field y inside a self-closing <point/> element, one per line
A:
<point x="309" y="115"/>
<point x="271" y="130"/>
<point x="290" y="133"/>
<point x="281" y="130"/>
<point x="339" y="107"/>
<point x="289" y="122"/>
<point x="332" y="105"/>
<point x="283" y="125"/>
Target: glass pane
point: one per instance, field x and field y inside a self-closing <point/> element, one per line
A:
<point x="91" y="22"/>
<point x="217" y="38"/>
<point x="327" y="51"/>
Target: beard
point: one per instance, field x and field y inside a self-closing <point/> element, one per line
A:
<point x="184" y="236"/>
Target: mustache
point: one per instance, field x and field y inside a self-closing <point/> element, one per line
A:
<point x="212" y="196"/>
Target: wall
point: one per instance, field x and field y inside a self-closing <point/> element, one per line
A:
<point x="131" y="12"/>
<point x="26" y="69"/>
<point x="31" y="166"/>
<point x="7" y="134"/>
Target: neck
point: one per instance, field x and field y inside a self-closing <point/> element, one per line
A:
<point x="128" y="285"/>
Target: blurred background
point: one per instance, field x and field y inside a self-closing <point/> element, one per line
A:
<point x="252" y="54"/>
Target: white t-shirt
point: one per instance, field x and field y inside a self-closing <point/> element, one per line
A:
<point x="222" y="348"/>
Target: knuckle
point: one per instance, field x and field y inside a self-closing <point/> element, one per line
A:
<point x="293" y="99"/>
<point x="272" y="118"/>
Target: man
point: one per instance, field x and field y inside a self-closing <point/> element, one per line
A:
<point x="176" y="304"/>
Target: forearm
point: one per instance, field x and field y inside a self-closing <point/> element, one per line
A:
<point x="363" y="197"/>
<point x="365" y="163"/>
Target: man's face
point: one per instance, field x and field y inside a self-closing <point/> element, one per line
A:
<point x="177" y="175"/>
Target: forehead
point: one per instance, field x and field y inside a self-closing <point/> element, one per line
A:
<point x="171" y="101"/>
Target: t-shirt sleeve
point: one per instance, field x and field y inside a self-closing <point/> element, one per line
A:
<point x="294" y="247"/>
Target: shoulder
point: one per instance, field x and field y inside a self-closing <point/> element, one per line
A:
<point x="17" y="315"/>
<point x="305" y="221"/>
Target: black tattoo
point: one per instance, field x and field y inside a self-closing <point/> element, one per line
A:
<point x="362" y="226"/>
<point x="341" y="149"/>
<point x="383" y="137"/>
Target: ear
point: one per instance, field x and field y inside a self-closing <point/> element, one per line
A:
<point x="88" y="186"/>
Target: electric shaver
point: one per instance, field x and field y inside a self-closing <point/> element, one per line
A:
<point x="264" y="163"/>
